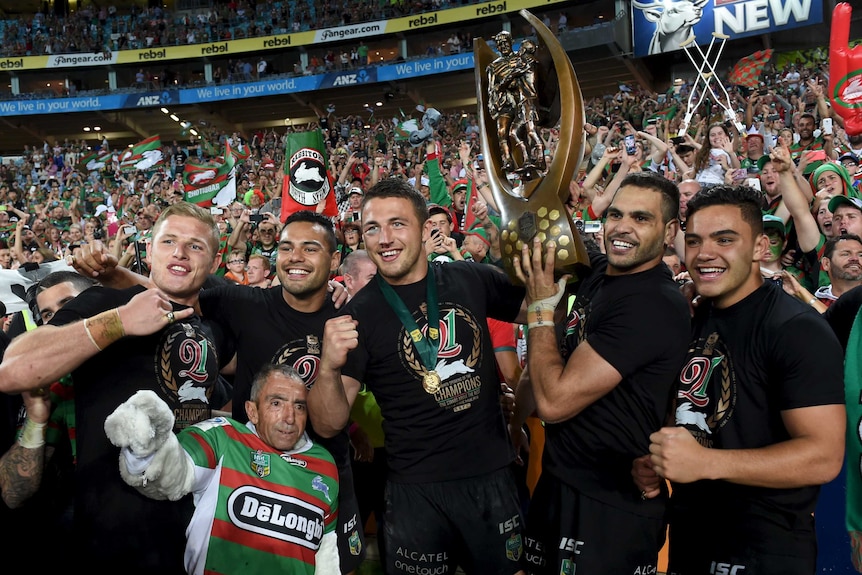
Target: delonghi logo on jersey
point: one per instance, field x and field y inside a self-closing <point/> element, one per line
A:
<point x="318" y="485"/>
<point x="261" y="463"/>
<point x="308" y="179"/>
<point x="276" y="515"/>
<point x="294" y="461"/>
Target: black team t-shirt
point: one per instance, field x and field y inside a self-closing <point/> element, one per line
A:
<point x="459" y="431"/>
<point x="638" y="323"/>
<point x="116" y="524"/>
<point x="264" y="330"/>
<point x="746" y="364"/>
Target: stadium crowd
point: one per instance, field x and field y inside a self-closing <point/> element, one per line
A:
<point x="793" y="151"/>
<point x="94" y="28"/>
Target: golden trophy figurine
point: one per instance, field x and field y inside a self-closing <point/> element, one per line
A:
<point x="518" y="94"/>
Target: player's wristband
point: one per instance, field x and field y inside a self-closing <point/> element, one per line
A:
<point x="32" y="434"/>
<point x="549" y="303"/>
<point x="110" y="328"/>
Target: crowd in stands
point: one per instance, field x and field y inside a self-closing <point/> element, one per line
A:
<point x="48" y="191"/>
<point x="107" y="29"/>
<point x="792" y="148"/>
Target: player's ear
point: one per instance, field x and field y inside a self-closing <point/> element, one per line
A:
<point x="761" y="247"/>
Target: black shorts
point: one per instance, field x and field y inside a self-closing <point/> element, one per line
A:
<point x="474" y="523"/>
<point x="351" y="534"/>
<point x="568" y="532"/>
<point x="741" y="547"/>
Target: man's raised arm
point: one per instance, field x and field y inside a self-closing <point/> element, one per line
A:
<point x="332" y="396"/>
<point x="42" y="356"/>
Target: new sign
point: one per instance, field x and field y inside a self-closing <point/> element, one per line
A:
<point x="661" y="25"/>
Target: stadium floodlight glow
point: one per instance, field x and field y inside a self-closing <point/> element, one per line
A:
<point x="175" y="118"/>
<point x="378" y="103"/>
<point x="193" y="132"/>
<point x="86" y="128"/>
<point x="97" y="129"/>
<point x="165" y="111"/>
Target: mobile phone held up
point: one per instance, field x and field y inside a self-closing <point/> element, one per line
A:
<point x="631" y="149"/>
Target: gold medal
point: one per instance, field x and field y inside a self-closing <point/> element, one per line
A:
<point x="431" y="382"/>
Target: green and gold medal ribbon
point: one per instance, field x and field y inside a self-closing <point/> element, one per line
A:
<point x="425" y="346"/>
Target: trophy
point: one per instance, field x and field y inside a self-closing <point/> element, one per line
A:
<point x="518" y="94"/>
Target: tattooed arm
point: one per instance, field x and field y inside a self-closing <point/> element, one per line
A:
<point x="21" y="467"/>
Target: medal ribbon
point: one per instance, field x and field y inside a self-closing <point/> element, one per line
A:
<point x="426" y="346"/>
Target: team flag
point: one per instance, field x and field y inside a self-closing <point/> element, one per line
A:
<point x="241" y="152"/>
<point x="667" y="114"/>
<point x="211" y="184"/>
<point x="307" y="181"/>
<point x="143" y="155"/>
<point x="747" y="71"/>
<point x="94" y="162"/>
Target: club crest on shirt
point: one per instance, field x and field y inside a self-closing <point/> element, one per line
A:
<point x="319" y="485"/>
<point x="261" y="463"/>
<point x="355" y="543"/>
<point x="707" y="389"/>
<point x="459" y="355"/>
<point x="303" y="355"/>
<point x="187" y="369"/>
<point x="514" y="547"/>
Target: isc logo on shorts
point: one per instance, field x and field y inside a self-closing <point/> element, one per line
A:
<point x="571" y="545"/>
<point x="726" y="569"/>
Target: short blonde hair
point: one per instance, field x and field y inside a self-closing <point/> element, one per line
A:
<point x="187" y="210"/>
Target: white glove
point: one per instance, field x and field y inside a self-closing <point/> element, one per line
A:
<point x="142" y="423"/>
<point x="151" y="459"/>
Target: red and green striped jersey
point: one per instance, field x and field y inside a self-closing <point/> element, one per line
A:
<point x="257" y="510"/>
<point x="797" y="149"/>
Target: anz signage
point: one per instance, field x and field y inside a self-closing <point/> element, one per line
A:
<point x="355" y="78"/>
<point x="148" y="99"/>
<point x="661" y="25"/>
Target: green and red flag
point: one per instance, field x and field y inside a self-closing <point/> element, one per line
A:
<point x="667" y="114"/>
<point x="208" y="148"/>
<point x="211" y="184"/>
<point x="307" y="181"/>
<point x="747" y="71"/>
<point x="143" y="155"/>
<point x="94" y="161"/>
<point x="241" y="152"/>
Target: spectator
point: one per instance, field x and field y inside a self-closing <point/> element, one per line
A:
<point x="258" y="271"/>
<point x="236" y="265"/>
<point x="205" y="460"/>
